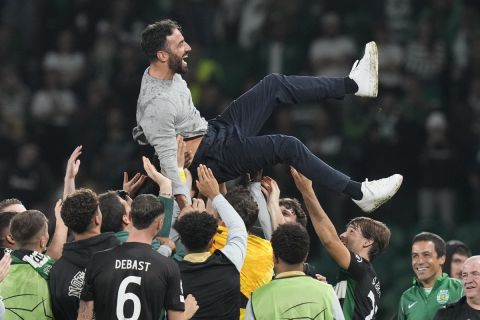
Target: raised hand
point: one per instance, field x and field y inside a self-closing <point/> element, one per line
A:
<point x="132" y="186"/>
<point x="270" y="189"/>
<point x="303" y="184"/>
<point x="206" y="183"/>
<point x="163" y="182"/>
<point x="197" y="205"/>
<point x="73" y="163"/>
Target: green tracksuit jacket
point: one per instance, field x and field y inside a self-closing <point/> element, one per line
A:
<point x="416" y="305"/>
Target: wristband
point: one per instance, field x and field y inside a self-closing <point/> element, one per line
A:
<point x="182" y="175"/>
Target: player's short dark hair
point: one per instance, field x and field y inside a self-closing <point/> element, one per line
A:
<point x="290" y="243"/>
<point x="438" y="242"/>
<point x="294" y="205"/>
<point x="196" y="229"/>
<point x="5" y="218"/>
<point x="78" y="209"/>
<point x="112" y="212"/>
<point x="8" y="202"/>
<point x="25" y="226"/>
<point x="373" y="230"/>
<point x="154" y="37"/>
<point x="145" y="209"/>
<point x="243" y="202"/>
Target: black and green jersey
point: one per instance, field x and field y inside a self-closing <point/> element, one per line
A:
<point x="358" y="290"/>
<point x="415" y="304"/>
<point x="25" y="289"/>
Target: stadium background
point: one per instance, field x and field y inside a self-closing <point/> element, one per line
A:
<point x="70" y="73"/>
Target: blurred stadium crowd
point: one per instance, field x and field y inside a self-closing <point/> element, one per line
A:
<point x="70" y="74"/>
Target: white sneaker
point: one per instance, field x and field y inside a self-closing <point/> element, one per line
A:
<point x="365" y="72"/>
<point x="377" y="192"/>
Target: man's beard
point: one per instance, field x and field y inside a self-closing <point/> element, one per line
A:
<point x="175" y="64"/>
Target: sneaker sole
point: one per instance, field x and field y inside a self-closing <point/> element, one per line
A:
<point x="373" y="56"/>
<point x="379" y="204"/>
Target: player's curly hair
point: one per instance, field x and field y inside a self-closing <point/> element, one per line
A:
<point x="196" y="230"/>
<point x="78" y="209"/>
<point x="154" y="37"/>
<point x="145" y="209"/>
<point x="290" y="243"/>
<point x="296" y="207"/>
<point x="243" y="202"/>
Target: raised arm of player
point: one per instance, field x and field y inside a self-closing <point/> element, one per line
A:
<point x="271" y="190"/>
<point x="73" y="165"/>
<point x="55" y="248"/>
<point x="236" y="246"/>
<point x="324" y="227"/>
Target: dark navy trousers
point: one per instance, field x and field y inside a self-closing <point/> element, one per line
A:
<point x="231" y="146"/>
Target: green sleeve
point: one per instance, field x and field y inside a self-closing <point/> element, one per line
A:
<point x="167" y="220"/>
<point x="401" y="315"/>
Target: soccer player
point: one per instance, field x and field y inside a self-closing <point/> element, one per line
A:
<point x="25" y="289"/>
<point x="468" y="307"/>
<point x="132" y="280"/>
<point x="229" y="144"/>
<point x="431" y="288"/>
<point x="292" y="294"/>
<point x="355" y="249"/>
<point x="80" y="213"/>
<point x="214" y="279"/>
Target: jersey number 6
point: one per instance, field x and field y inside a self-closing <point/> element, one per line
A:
<point x="125" y="296"/>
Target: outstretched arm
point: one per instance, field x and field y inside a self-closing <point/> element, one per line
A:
<point x="236" y="246"/>
<point x="324" y="227"/>
<point x="271" y="190"/>
<point x="55" y="248"/>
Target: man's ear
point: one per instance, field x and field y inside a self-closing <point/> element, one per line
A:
<point x="97" y="219"/>
<point x="9" y="239"/>
<point x="368" y="243"/>
<point x="162" y="56"/>
<point x="126" y="219"/>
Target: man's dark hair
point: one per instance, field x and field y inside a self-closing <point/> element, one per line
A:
<point x="145" y="208"/>
<point x="8" y="202"/>
<point x="24" y="226"/>
<point x="373" y="230"/>
<point x="112" y="212"/>
<point x="243" y="202"/>
<point x="196" y="229"/>
<point x="154" y="37"/>
<point x="452" y="247"/>
<point x="290" y="243"/>
<point x="5" y="218"/>
<point x="296" y="207"/>
<point x="78" y="209"/>
<point x="438" y="242"/>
